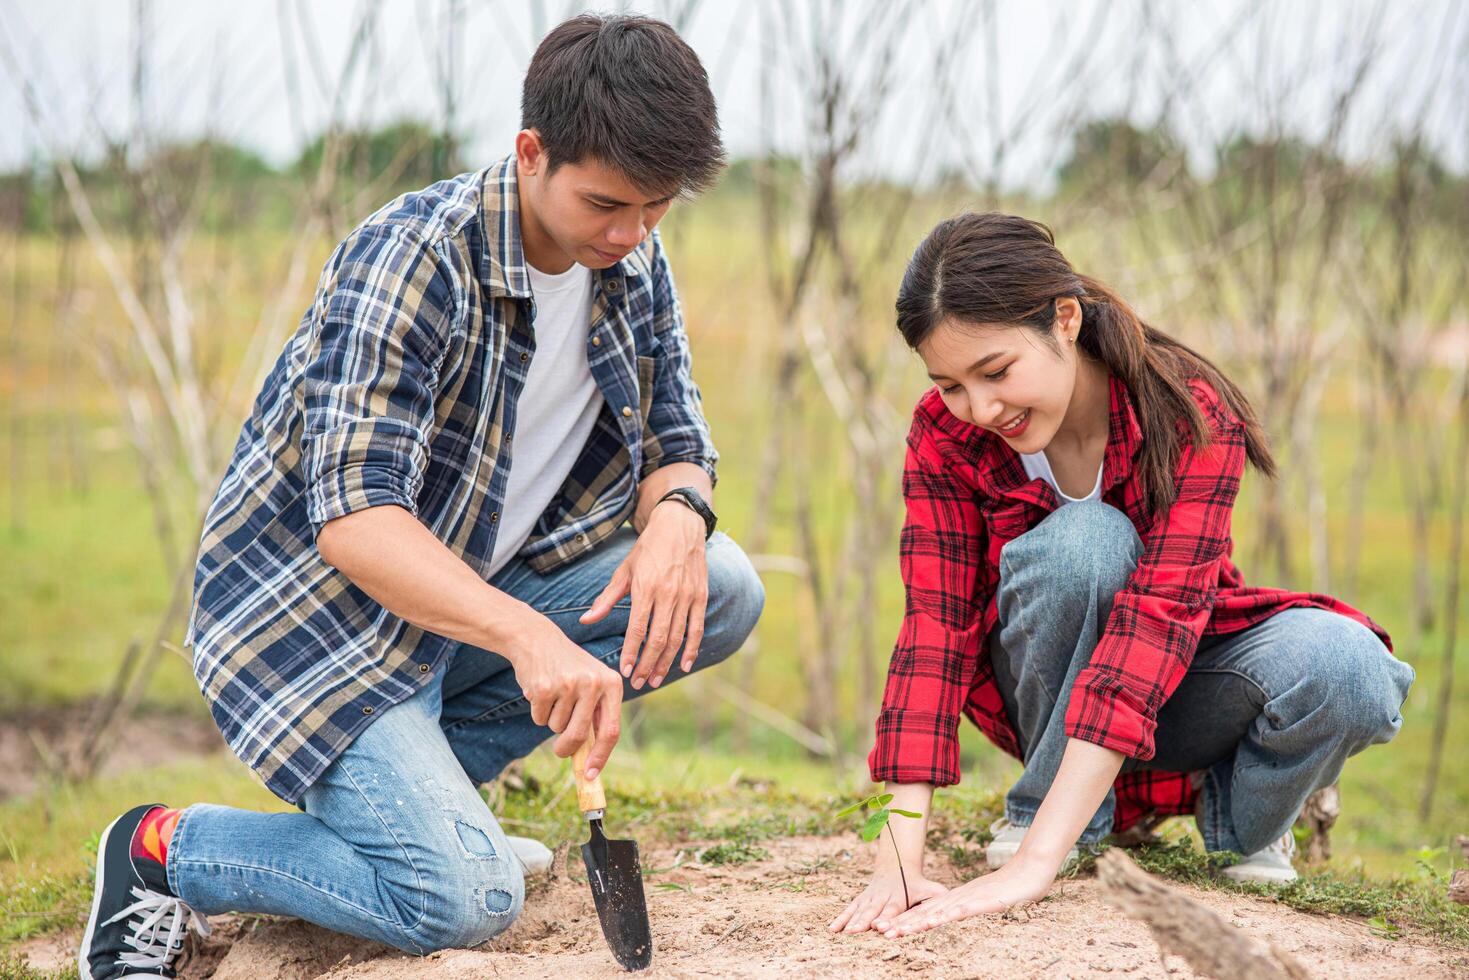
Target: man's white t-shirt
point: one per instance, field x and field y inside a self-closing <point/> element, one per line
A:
<point x="557" y="408"/>
<point x="1037" y="467"/>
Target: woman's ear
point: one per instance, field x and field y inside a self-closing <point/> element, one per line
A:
<point x="1068" y="318"/>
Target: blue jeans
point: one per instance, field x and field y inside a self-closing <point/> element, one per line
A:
<point x="395" y="844"/>
<point x="1268" y="715"/>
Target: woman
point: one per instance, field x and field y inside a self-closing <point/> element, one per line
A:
<point x="1070" y="482"/>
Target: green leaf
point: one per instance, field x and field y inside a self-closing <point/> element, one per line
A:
<point x="905" y="813"/>
<point x="884" y="799"/>
<point x="860" y="804"/>
<point x="874" y="825"/>
<point x="1381" y="926"/>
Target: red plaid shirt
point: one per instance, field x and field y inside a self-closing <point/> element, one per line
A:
<point x="968" y="496"/>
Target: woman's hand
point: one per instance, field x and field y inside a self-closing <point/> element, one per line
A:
<point x="1017" y="882"/>
<point x="883" y="899"/>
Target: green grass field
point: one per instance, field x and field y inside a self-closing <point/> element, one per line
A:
<point x="82" y="576"/>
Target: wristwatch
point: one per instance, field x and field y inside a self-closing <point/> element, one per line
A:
<point x="690" y="497"/>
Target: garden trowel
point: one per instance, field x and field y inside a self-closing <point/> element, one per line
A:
<point x="615" y="875"/>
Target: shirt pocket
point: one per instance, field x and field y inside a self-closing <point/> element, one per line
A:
<point x="647" y="371"/>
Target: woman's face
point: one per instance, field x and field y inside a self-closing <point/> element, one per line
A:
<point x="1008" y="379"/>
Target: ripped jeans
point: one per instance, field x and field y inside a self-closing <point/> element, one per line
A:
<point x="395" y="844"/>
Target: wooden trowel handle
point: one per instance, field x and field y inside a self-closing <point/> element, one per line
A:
<point x="589" y="793"/>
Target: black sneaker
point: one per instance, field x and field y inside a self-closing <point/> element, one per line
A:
<point x="134" y="929"/>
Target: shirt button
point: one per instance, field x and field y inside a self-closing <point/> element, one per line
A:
<point x="626" y="412"/>
<point x="524" y="358"/>
<point x="614" y="285"/>
<point x="596" y="341"/>
<point x="495" y="517"/>
<point x="423" y="668"/>
<point x="367" y="710"/>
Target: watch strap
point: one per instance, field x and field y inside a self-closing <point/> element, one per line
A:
<point x="691" y="499"/>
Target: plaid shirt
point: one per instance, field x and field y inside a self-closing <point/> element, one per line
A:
<point x="400" y="387"/>
<point x="968" y="496"/>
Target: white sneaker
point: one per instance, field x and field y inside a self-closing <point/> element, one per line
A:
<point x="535" y="857"/>
<point x="1007" y="841"/>
<point x="1270" y="866"/>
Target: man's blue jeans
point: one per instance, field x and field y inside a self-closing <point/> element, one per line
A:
<point x="395" y="844"/>
<point x="1268" y="715"/>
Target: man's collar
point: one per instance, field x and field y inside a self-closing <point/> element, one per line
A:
<point x="505" y="273"/>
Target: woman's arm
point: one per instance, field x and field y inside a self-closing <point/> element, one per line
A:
<point x="1087" y="772"/>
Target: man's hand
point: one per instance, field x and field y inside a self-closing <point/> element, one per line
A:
<point x="571" y="691"/>
<point x="668" y="576"/>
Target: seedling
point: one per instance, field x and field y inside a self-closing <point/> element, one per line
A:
<point x="876" y="821"/>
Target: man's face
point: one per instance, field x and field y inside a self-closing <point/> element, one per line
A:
<point x="584" y="212"/>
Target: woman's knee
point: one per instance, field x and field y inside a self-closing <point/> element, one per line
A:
<point x="736" y="598"/>
<point x="1086" y="546"/>
<point x="1369" y="684"/>
<point x="1343" y="674"/>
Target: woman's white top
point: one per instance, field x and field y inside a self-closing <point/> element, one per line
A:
<point x="1038" y="467"/>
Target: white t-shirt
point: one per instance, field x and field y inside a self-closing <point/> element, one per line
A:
<point x="557" y="408"/>
<point x="1038" y="467"/>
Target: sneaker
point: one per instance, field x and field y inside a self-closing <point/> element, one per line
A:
<point x="534" y="856"/>
<point x="1007" y="840"/>
<point x="133" y="928"/>
<point x="1271" y="866"/>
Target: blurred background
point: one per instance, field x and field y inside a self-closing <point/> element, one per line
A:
<point x="1283" y="185"/>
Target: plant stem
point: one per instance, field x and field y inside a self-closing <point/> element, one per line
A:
<point x="901" y="874"/>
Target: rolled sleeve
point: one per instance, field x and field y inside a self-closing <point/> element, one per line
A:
<point x="938" y="647"/>
<point x="371" y="380"/>
<point x="676" y="430"/>
<point x="1158" y="617"/>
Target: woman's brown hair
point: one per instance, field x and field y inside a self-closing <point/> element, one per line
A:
<point x="992" y="268"/>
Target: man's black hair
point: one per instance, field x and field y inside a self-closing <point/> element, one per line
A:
<point x="629" y="93"/>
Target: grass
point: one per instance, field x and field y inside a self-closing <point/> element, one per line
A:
<point x="13" y="967"/>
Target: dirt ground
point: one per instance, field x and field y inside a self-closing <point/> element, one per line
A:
<point x="768" y="919"/>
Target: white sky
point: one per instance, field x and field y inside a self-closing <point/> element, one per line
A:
<point x="225" y="69"/>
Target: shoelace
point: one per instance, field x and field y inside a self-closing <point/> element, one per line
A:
<point x="159" y="935"/>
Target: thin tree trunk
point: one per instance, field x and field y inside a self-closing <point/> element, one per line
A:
<point x="1452" y="589"/>
<point x="1368" y="429"/>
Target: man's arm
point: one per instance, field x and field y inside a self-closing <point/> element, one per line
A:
<point x="392" y="557"/>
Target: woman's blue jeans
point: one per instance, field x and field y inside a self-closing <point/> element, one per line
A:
<point x="395" y="844"/>
<point x="1268" y="715"/>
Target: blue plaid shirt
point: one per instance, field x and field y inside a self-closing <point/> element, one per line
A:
<point x="400" y="387"/>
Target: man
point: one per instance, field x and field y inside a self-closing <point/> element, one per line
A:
<point x="417" y="567"/>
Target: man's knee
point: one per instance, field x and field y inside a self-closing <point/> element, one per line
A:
<point x="468" y="906"/>
<point x="736" y="597"/>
